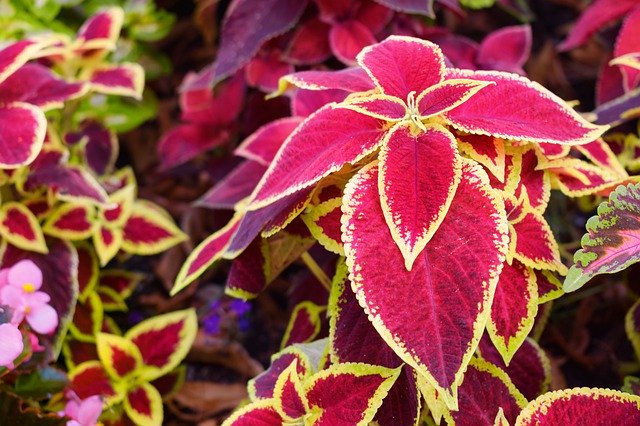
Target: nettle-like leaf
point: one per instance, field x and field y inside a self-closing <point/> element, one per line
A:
<point x="609" y="245"/>
<point x="150" y="231"/>
<point x="237" y="185"/>
<point x="76" y="352"/>
<point x="514" y="308"/>
<point x="36" y="85"/>
<point x="101" y="30"/>
<point x="290" y="399"/>
<point x="205" y="254"/>
<point x="120" y="281"/>
<point x="348" y="79"/>
<point x="125" y="79"/>
<point x="304" y="324"/>
<point x="352" y="136"/>
<point x="107" y="242"/>
<point x="20" y="121"/>
<point x="143" y="405"/>
<point x="347" y="394"/>
<point x="352" y="338"/>
<point x="90" y="378"/>
<point x="88" y="270"/>
<point x="20" y="227"/>
<point x="69" y="183"/>
<point x="431" y="296"/>
<point x="549" y="121"/>
<point x="486" y="150"/>
<point x="529" y="369"/>
<point x="618" y="110"/>
<point x="263" y="144"/>
<point x="323" y="221"/>
<point x="573" y="406"/>
<point x="430" y="165"/>
<point x="485" y="390"/>
<point x="262" y="386"/>
<point x="71" y="221"/>
<point x="87" y="318"/>
<point x="119" y="356"/>
<point x="163" y="341"/>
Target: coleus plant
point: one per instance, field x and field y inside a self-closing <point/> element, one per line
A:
<point x="418" y="157"/>
<point x="128" y="365"/>
<point x="59" y="186"/>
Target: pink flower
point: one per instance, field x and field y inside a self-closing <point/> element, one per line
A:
<point x="11" y="345"/>
<point x="82" y="412"/>
<point x="18" y="290"/>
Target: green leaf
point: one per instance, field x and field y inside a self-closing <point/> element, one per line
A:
<point x="117" y="113"/>
<point x="477" y="4"/>
<point x="41" y="383"/>
<point x="611" y="242"/>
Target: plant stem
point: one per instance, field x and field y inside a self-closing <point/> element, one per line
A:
<point x="316" y="270"/>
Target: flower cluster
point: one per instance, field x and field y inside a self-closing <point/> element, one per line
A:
<point x="21" y="301"/>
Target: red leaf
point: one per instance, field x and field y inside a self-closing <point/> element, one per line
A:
<point x="353" y="339"/>
<point x="102" y="29"/>
<point x="37" y="85"/>
<point x="517" y="108"/>
<point x="418" y="177"/>
<point x="309" y="44"/>
<point x="348" y="38"/>
<point x="434" y="292"/>
<point x="401" y="65"/>
<point x="348" y="79"/>
<point x="247" y="276"/>
<point x="263" y="144"/>
<point x="90" y="378"/>
<point x="348" y="394"/>
<point x="529" y="369"/>
<point x="321" y="145"/>
<point x="186" y="141"/>
<point x="59" y="265"/>
<point x="16" y="54"/>
<point x="262" y="386"/>
<point x="485" y="390"/>
<point x="514" y="308"/>
<point x="571" y="407"/>
<point x="69" y="182"/>
<point x="506" y="49"/>
<point x="23" y="131"/>
<point x="100" y="146"/>
<point x="597" y="15"/>
<point x="164" y="340"/>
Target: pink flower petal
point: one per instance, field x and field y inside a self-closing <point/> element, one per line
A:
<point x="11" y="345"/>
<point x="25" y="272"/>
<point x="43" y="319"/>
<point x="14" y="298"/>
<point x="90" y="410"/>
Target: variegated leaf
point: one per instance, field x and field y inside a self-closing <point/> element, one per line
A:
<point x="435" y="290"/>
